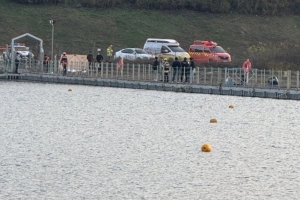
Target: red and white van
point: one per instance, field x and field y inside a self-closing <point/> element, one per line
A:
<point x="208" y="51"/>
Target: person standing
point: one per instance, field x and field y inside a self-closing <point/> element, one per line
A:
<point x="155" y="69"/>
<point x="247" y="66"/>
<point x="46" y="62"/>
<point x="17" y="62"/>
<point x="184" y="70"/>
<point x="175" y="67"/>
<point x="109" y="51"/>
<point x="192" y="68"/>
<point x="89" y="57"/>
<point x="64" y="62"/>
<point x="166" y="70"/>
<point x="99" y="59"/>
<point x="120" y="65"/>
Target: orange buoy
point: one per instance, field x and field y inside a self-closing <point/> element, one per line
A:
<point x="213" y="120"/>
<point x="206" y="147"/>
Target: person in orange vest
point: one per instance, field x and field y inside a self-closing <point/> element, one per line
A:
<point x="247" y="66"/>
<point x="64" y="62"/>
<point x="120" y="65"/>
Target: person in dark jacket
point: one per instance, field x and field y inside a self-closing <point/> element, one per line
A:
<point x="89" y="57"/>
<point x="99" y="59"/>
<point x="185" y="70"/>
<point x="17" y="61"/>
<point x="155" y="69"/>
<point x="192" y="67"/>
<point x="175" y="67"/>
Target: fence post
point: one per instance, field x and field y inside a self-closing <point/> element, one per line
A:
<point x="289" y="80"/>
<point x="97" y="69"/>
<point x="255" y="74"/>
<point x="149" y="72"/>
<point x="133" y="71"/>
<point x="101" y="69"/>
<point x="225" y="74"/>
<point x="219" y="76"/>
<point x="106" y="70"/>
<point x="139" y="66"/>
<point x="211" y="76"/>
<point x="204" y="70"/>
<point x="297" y="75"/>
<point x="197" y="74"/>
<point x="264" y="79"/>
<point x="112" y="69"/>
<point x="143" y="71"/>
<point x="127" y="71"/>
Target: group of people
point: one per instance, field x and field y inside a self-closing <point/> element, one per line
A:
<point x="99" y="57"/>
<point x="181" y="70"/>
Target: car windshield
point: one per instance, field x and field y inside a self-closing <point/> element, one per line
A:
<point x="140" y="51"/>
<point x="176" y="49"/>
<point x="21" y="49"/>
<point x="217" y="49"/>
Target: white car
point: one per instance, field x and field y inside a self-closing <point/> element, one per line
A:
<point x="24" y="51"/>
<point x="133" y="54"/>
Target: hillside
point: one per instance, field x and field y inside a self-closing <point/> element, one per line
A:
<point x="263" y="39"/>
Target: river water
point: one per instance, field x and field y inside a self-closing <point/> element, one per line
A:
<point x="112" y="143"/>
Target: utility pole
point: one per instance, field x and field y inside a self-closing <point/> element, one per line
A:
<point x="52" y="23"/>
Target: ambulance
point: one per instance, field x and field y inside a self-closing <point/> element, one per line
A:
<point x="165" y="48"/>
<point x="208" y="51"/>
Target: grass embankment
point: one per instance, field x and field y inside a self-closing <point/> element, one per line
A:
<point x="265" y="40"/>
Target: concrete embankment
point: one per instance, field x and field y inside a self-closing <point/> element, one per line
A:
<point x="274" y="93"/>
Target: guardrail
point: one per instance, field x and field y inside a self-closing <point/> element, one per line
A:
<point x="231" y="77"/>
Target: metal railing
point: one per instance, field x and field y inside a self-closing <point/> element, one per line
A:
<point x="231" y="77"/>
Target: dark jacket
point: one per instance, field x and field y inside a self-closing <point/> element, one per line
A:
<point x="176" y="64"/>
<point x="185" y="65"/>
<point x="99" y="58"/>
<point x="89" y="57"/>
<point x="192" y="64"/>
<point x="155" y="65"/>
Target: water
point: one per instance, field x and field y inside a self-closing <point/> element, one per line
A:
<point x="109" y="143"/>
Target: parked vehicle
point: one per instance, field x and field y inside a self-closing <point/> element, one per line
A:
<point x="23" y="50"/>
<point x="165" y="48"/>
<point x="19" y="48"/>
<point x="208" y="51"/>
<point x="133" y="54"/>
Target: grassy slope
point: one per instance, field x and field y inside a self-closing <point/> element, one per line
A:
<point x="78" y="30"/>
